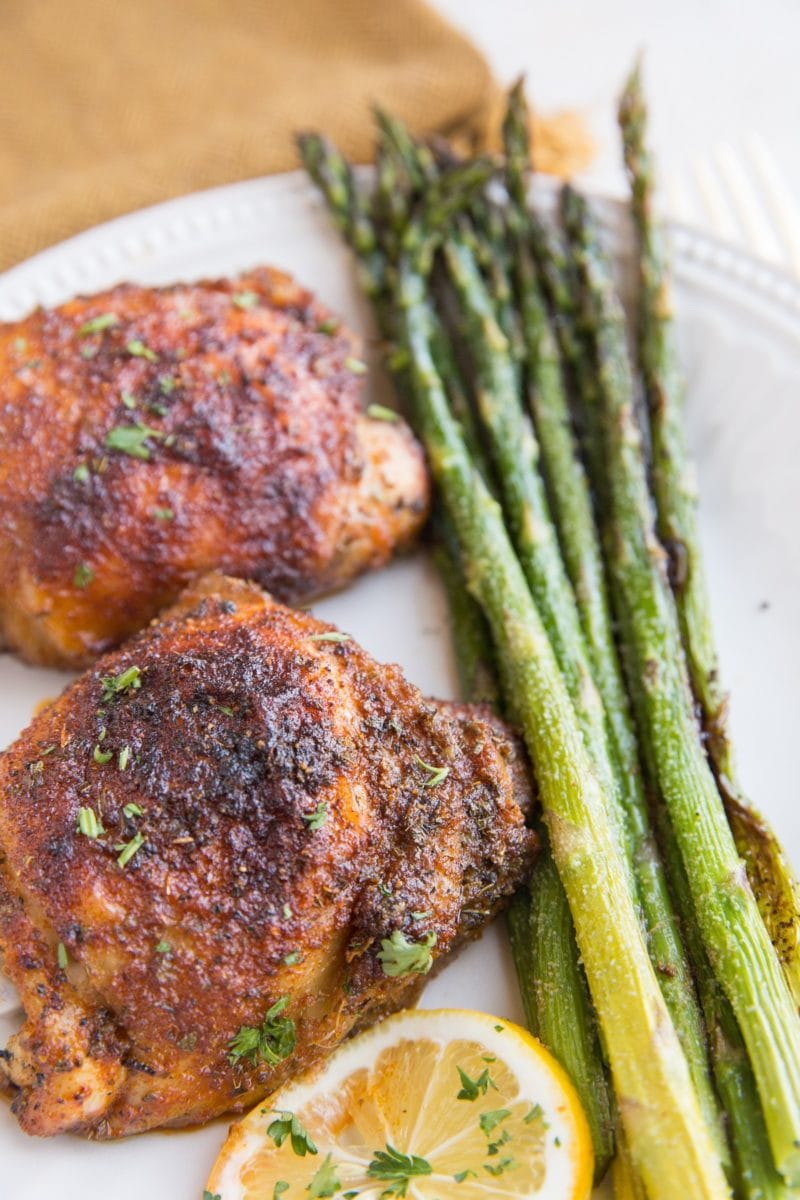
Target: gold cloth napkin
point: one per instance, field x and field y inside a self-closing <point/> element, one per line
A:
<point x="110" y="105"/>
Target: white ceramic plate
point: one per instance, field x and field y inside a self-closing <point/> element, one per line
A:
<point x="740" y="328"/>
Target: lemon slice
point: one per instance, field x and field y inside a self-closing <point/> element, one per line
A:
<point x="431" y="1105"/>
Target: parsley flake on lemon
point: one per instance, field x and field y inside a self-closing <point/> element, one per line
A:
<point x="409" y="1109"/>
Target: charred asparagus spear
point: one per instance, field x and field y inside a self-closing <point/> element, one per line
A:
<point x="668" y="1136"/>
<point x="515" y="452"/>
<point x="770" y="874"/>
<point x="733" y="933"/>
<point x="572" y="505"/>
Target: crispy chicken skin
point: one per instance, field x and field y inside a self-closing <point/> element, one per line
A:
<point x="151" y="434"/>
<point x="282" y="786"/>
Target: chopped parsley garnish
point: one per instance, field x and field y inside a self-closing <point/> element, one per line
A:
<point x="462" y="1175"/>
<point x="397" y="1169"/>
<point x="324" y="1181"/>
<point x="286" y="1124"/>
<point x="535" y="1113"/>
<point x="292" y="958"/>
<point x="489" y="1121"/>
<point x="117" y="685"/>
<point x="164" y="514"/>
<point x="83" y="575"/>
<point x="88" y="823"/>
<point x="128" y="849"/>
<point x="98" y="324"/>
<point x="87" y="352"/>
<point x="167" y="383"/>
<point x="287" y="911"/>
<point x="163" y="947"/>
<point x="61" y="956"/>
<point x="271" y="1042"/>
<point x="128" y="400"/>
<point x="436" y="775"/>
<point x="131" y="810"/>
<point x="81" y="474"/>
<point x="281" y="1186"/>
<point x="132" y="439"/>
<point x="245" y="299"/>
<point x="379" y="412"/>
<point x="332" y="635"/>
<point x="101" y="756"/>
<point x="317" y="818"/>
<point x="472" y="1088"/>
<point x="137" y="349"/>
<point x="385" y="889"/>
<point x="398" y="956"/>
<point x="124" y="757"/>
<point x="207" y="1195"/>
<point x="328" y="327"/>
<point x="420" y="916"/>
<point x="505" y="1164"/>
<point x="356" y="365"/>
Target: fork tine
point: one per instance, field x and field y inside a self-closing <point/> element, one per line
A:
<point x="752" y="215"/>
<point x="716" y="202"/>
<point x="679" y="201"/>
<point x="779" y="197"/>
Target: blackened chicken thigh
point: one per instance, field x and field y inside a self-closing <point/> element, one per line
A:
<point x="230" y="843"/>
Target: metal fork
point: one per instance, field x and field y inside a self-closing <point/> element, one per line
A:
<point x="743" y="197"/>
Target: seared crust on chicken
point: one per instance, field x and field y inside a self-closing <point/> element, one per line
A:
<point x="151" y="434"/>
<point x="273" y="810"/>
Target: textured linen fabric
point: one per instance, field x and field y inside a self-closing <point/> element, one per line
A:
<point x="110" y="105"/>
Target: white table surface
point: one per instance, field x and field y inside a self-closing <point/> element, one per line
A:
<point x="716" y="70"/>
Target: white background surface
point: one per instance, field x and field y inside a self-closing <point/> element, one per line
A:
<point x="716" y="70"/>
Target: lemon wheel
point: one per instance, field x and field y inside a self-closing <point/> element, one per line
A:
<point x="430" y="1105"/>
